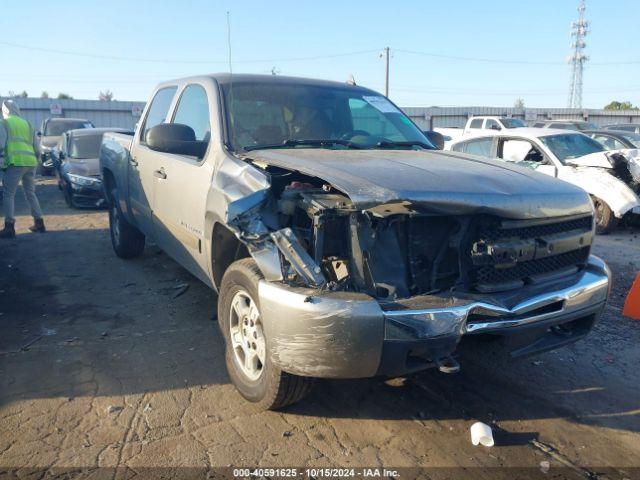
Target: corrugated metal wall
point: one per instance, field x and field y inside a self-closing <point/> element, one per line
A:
<point x="430" y="117"/>
<point x="102" y="114"/>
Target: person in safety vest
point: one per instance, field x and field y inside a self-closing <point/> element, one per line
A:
<point x="17" y="138"/>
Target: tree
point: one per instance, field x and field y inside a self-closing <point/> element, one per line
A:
<point x="24" y="94"/>
<point x="615" y="105"/>
<point x="44" y="94"/>
<point x="105" y="96"/>
<point x="64" y="96"/>
<point x="519" y="103"/>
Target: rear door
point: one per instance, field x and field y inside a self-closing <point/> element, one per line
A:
<point x="143" y="161"/>
<point x="181" y="190"/>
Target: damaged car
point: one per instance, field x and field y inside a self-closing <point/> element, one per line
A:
<point x="612" y="178"/>
<point x="340" y="242"/>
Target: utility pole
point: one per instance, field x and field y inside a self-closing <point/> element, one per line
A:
<point x="579" y="30"/>
<point x="386" y="72"/>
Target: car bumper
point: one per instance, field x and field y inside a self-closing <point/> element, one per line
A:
<point x="46" y="160"/>
<point x="86" y="195"/>
<point x="351" y="335"/>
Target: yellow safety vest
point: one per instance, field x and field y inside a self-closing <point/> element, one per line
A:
<point x="19" y="150"/>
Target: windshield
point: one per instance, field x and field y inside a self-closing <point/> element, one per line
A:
<point x="288" y="115"/>
<point x="56" y="127"/>
<point x="585" y="126"/>
<point x="632" y="138"/>
<point x="571" y="145"/>
<point x="512" y="122"/>
<point x="85" y="146"/>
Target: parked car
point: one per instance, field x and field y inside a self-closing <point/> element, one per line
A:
<point x="477" y="126"/>
<point x="76" y="163"/>
<point x="615" y="139"/>
<point x="341" y="243"/>
<point x="573" y="157"/>
<point x="49" y="135"/>
<point x="579" y="125"/>
<point x="625" y="127"/>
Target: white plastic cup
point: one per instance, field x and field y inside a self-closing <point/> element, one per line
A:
<point x="481" y="434"/>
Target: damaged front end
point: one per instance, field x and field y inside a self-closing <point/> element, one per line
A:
<point x="626" y="167"/>
<point x="392" y="288"/>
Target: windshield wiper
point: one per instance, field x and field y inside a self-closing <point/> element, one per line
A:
<point x="389" y="144"/>
<point x="297" y="142"/>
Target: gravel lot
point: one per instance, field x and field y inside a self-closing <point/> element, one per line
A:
<point x="106" y="363"/>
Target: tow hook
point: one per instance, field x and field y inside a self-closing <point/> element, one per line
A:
<point x="448" y="365"/>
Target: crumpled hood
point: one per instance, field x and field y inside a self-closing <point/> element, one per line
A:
<point x="434" y="181"/>
<point x="87" y="167"/>
<point x="597" y="159"/>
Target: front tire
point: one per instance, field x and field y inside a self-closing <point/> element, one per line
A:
<point x="606" y="221"/>
<point x="127" y="240"/>
<point x="68" y="196"/>
<point x="248" y="356"/>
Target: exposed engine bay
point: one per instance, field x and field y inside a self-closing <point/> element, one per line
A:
<point x="397" y="251"/>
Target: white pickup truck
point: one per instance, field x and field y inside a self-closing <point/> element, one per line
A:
<point x="477" y="126"/>
<point x="340" y="242"/>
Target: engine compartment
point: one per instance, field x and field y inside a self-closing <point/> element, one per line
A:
<point x="393" y="253"/>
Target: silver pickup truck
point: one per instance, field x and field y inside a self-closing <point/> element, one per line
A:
<point x="341" y="244"/>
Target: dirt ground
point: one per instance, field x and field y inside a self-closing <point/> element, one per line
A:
<point x="106" y="362"/>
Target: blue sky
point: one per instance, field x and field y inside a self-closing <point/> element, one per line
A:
<point x="283" y="34"/>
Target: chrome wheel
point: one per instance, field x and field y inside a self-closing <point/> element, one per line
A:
<point x="247" y="336"/>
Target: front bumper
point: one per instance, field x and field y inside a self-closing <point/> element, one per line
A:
<point x="46" y="160"/>
<point x="86" y="195"/>
<point x="351" y="335"/>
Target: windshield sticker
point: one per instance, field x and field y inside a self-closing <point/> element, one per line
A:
<point x="381" y="103"/>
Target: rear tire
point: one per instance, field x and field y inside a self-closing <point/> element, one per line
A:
<point x="262" y="383"/>
<point x="606" y="221"/>
<point x="127" y="240"/>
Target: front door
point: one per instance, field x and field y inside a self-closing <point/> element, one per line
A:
<point x="182" y="184"/>
<point x="142" y="162"/>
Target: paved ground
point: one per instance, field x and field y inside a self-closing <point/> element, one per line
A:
<point x="103" y="364"/>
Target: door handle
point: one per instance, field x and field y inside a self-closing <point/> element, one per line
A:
<point x="160" y="174"/>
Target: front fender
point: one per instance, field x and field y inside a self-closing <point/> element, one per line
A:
<point x="600" y="183"/>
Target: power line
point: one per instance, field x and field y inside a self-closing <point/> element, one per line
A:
<point x="508" y="61"/>
<point x="177" y="61"/>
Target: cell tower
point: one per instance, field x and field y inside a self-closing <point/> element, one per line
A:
<point x="579" y="30"/>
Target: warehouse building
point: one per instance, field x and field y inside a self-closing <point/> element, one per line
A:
<point x="102" y="114"/>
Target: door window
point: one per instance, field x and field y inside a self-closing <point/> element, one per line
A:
<point x="476" y="123"/>
<point x="610" y="143"/>
<point x="158" y="111"/>
<point x="193" y="111"/>
<point x="481" y="147"/>
<point x="521" y="151"/>
<point x="492" y="125"/>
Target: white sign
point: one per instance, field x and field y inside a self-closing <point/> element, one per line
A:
<point x="530" y="116"/>
<point x="136" y="111"/>
<point x="55" y="109"/>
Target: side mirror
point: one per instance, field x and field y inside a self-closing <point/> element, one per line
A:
<point x="61" y="155"/>
<point x="38" y="133"/>
<point x="436" y="138"/>
<point x="175" y="138"/>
